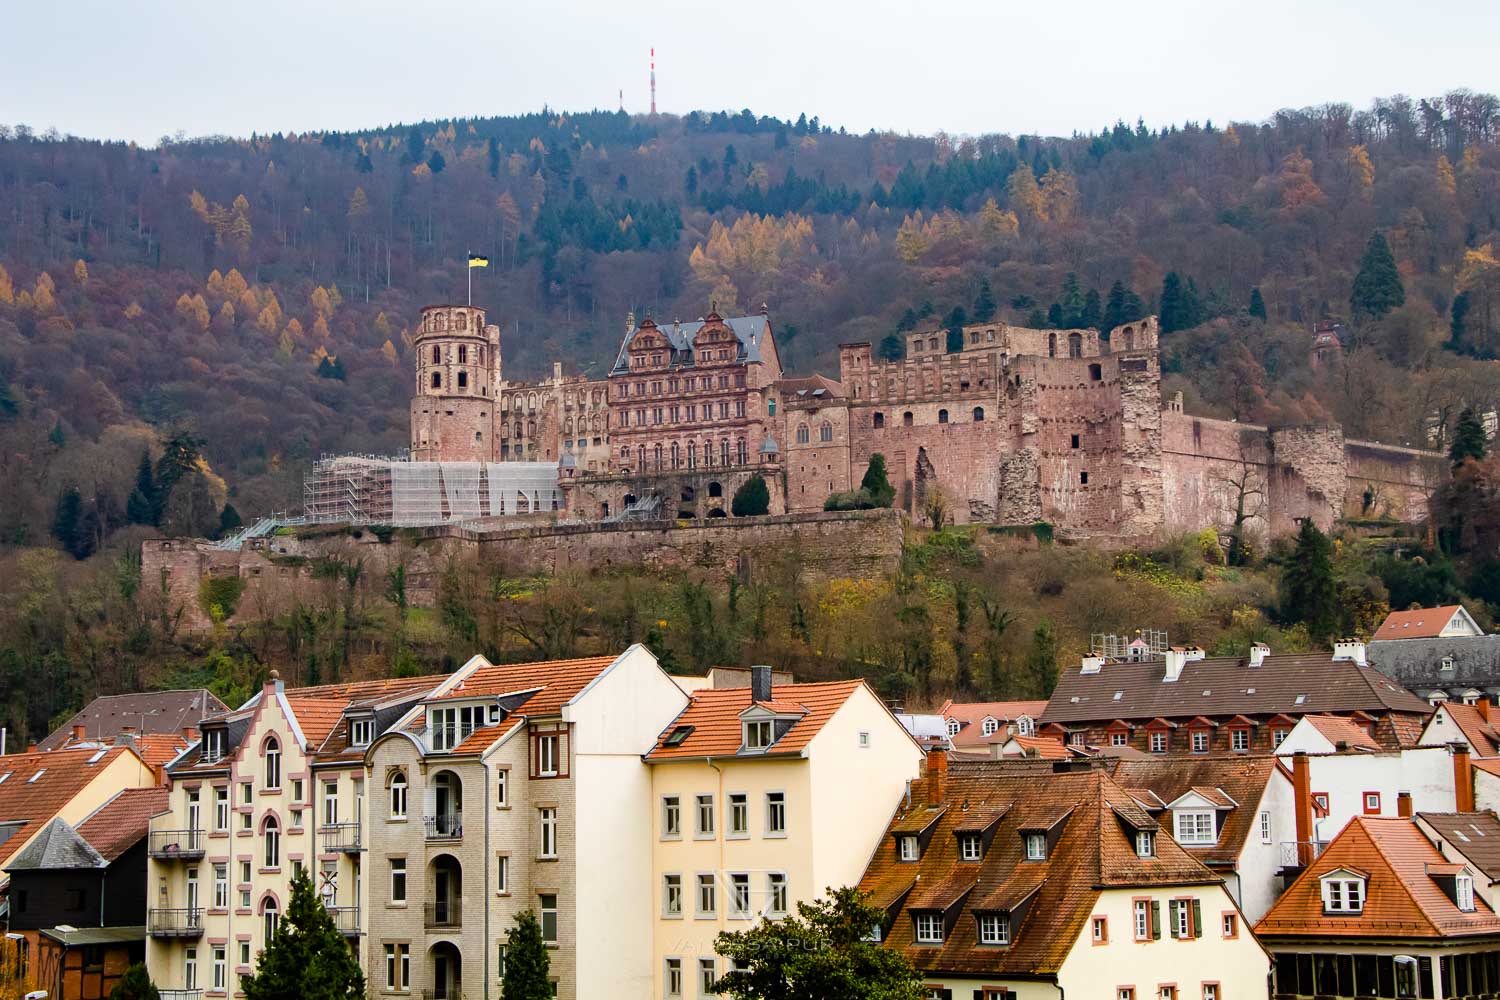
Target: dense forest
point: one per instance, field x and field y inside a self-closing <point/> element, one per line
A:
<point x="184" y="328"/>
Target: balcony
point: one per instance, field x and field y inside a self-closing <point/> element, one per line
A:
<point x="180" y="994"/>
<point x="178" y="923"/>
<point x="443" y="915"/>
<point x="176" y="845"/>
<point x="444" y="826"/>
<point x="341" y="837"/>
<point x="345" y="918"/>
<point x="1288" y="855"/>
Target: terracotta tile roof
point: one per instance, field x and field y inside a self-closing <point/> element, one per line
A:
<point x="1045" y="747"/>
<point x="1478" y="730"/>
<point x="1475" y="835"/>
<point x="1226" y="686"/>
<point x="970" y="715"/>
<point x="1156" y="781"/>
<point x="1421" y="623"/>
<point x="33" y="803"/>
<point x="120" y="823"/>
<point x="1402" y="898"/>
<point x="156" y="749"/>
<point x="1094" y="849"/>
<point x="1488" y="766"/>
<point x="147" y="711"/>
<point x="714" y="716"/>
<point x="1340" y="730"/>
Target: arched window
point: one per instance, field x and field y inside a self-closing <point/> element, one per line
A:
<point x="879" y="421"/>
<point x="744" y="451"/>
<point x="272" y="756"/>
<point x="437" y="380"/>
<point x="1075" y="345"/>
<point x="272" y="915"/>
<point x="1130" y="338"/>
<point x="978" y="414"/>
<point x="398" y="796"/>
<point x="942" y="416"/>
<point x="640" y="456"/>
<point x="802" y="434"/>
<point x="657" y="456"/>
<point x="272" y="833"/>
<point x="463" y="354"/>
<point x="437" y="354"/>
<point x="715" y="489"/>
<point x="932" y="344"/>
<point x="1051" y="345"/>
<point x="825" y="431"/>
<point x="724" y="452"/>
<point x="675" y="458"/>
<point x="906" y="419"/>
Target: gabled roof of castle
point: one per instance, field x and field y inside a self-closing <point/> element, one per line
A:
<point x="747" y="329"/>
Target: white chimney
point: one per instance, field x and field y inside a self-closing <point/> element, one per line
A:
<point x="1190" y="653"/>
<point x="1092" y="664"/>
<point x="1175" y="659"/>
<point x="1258" y="653"/>
<point x="1350" y="649"/>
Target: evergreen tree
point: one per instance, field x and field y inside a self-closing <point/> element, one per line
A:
<point x="1469" y="440"/>
<point x="308" y="959"/>
<point x="1114" y="307"/>
<point x="1071" y="303"/>
<point x="10" y="408"/>
<point x="690" y="180"/>
<point x="1309" y="593"/>
<point x="908" y="321"/>
<point x="1041" y="659"/>
<point x="58" y="437"/>
<point x="955" y="327"/>
<point x="1257" y="304"/>
<point x="526" y="961"/>
<point x="876" y="483"/>
<point x="179" y="458"/>
<point x="1093" y="313"/>
<point x="752" y="499"/>
<point x="1037" y="320"/>
<point x="984" y="303"/>
<point x="891" y="348"/>
<point x="140" y="507"/>
<point x="67" y="522"/>
<point x="229" y="519"/>
<point x="436" y="162"/>
<point x="821" y="951"/>
<point x="135" y="984"/>
<point x="1377" y="286"/>
<point x="1135" y="309"/>
<point x="415" y="144"/>
<point x="1458" y="321"/>
<point x="1173" y="304"/>
<point x="1055" y="316"/>
<point x="494" y="157"/>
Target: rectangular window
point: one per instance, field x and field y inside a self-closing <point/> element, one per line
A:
<point x="1159" y="742"/>
<point x="1125" y="993"/>
<point x="397" y="967"/>
<point x="1142" y="920"/>
<point x="1118" y="739"/>
<point x="1343" y="895"/>
<point x="330" y="803"/>
<point x="1231" y="925"/>
<point x="776" y="883"/>
<point x="221" y="885"/>
<point x="502" y="873"/>
<point x="970" y="846"/>
<point x="398" y="880"/>
<point x="739" y="899"/>
<point x="775" y="813"/>
<point x="548" y="761"/>
<point x="671" y="895"/>
<point x="1036" y="847"/>
<point x="361" y="732"/>
<point x="549" y="917"/>
<point x="907" y="847"/>
<point x="1372" y="803"/>
<point x="672" y="978"/>
<point x="244" y="952"/>
<point x="994" y="928"/>
<point x="708" y="974"/>
<point x="671" y="816"/>
<point x="739" y="814"/>
<point x="1210" y="991"/>
<point x="221" y="967"/>
<point x="707" y="896"/>
<point x="1145" y="844"/>
<point x="1194" y="826"/>
<point x="502" y="789"/>
<point x="221" y="808"/>
<point x="548" y="819"/>
<point x="704" y="815"/>
<point x="929" y="928"/>
<point x="1200" y="741"/>
<point x="1277" y="736"/>
<point x="190" y="968"/>
<point x="1100" y="930"/>
<point x="1239" y="740"/>
<point x="759" y="735"/>
<point x="1182" y="919"/>
<point x="1265" y="827"/>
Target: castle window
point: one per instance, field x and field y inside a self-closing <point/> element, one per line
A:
<point x="437" y="380"/>
<point x="437" y="354"/>
<point x="1095" y="373"/>
<point x="825" y="431"/>
<point x="1075" y="440"/>
<point x="744" y="452"/>
<point x="979" y="414"/>
<point x="1075" y="345"/>
<point x="879" y="421"/>
<point x="942" y="416"/>
<point x="770" y="407"/>
<point x="906" y="419"/>
<point x="932" y="344"/>
<point x="1051" y="345"/>
<point x="802" y="434"/>
<point x="1083" y="478"/>
<point x="463" y="380"/>
<point x="715" y="489"/>
<point x="463" y="354"/>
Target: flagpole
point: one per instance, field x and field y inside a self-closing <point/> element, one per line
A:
<point x="469" y="266"/>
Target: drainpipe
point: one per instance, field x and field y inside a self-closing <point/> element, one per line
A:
<point x="719" y="836"/>
<point x="485" y="816"/>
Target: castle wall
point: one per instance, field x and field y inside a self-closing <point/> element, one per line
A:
<point x="817" y="467"/>
<point x="1204" y="463"/>
<point x="1396" y="481"/>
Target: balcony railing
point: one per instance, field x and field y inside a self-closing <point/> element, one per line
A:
<point x="180" y="923"/>
<point x="1290" y="857"/>
<point x="341" y="837"/>
<point x="186" y="845"/>
<point x="444" y="826"/>
<point x="180" y="994"/>
<point x="345" y="918"/>
<point x="449" y="914"/>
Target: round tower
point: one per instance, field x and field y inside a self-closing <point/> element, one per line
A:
<point x="458" y="381"/>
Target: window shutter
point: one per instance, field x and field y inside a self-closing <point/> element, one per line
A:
<point x="1197" y="919"/>
<point x="1155" y="920"/>
<point x="979" y="995"/>
<point x="1172" y="906"/>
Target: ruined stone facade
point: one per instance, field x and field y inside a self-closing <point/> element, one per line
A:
<point x="1021" y="425"/>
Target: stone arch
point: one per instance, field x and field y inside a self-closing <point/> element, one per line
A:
<point x="979" y="414"/>
<point x="715" y="489"/>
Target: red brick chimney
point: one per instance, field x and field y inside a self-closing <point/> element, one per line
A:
<point x="1483" y="704"/>
<point x="1463" y="778"/>
<point x="1403" y="805"/>
<point x="189" y="734"/>
<point x="937" y="776"/>
<point x="79" y="731"/>
<point x="1302" y="804"/>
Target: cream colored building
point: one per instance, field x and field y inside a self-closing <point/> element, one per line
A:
<point x="269" y="789"/>
<point x="761" y="798"/>
<point x="509" y="788"/>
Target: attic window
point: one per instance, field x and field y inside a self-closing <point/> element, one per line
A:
<point x="7" y="774"/>
<point x="1343" y="892"/>
<point x="907" y="848"/>
<point x="1463" y="891"/>
<point x="1447" y="664"/>
<point x="1145" y="844"/>
<point x="98" y="756"/>
<point x="989" y="727"/>
<point x="1119" y="695"/>
<point x="760" y="734"/>
<point x="1195" y="826"/>
<point x="1036" y="847"/>
<point x="32" y="780"/>
<point x="1300" y="699"/>
<point x="361" y="732"/>
<point x="213" y="745"/>
<point x="676" y="737"/>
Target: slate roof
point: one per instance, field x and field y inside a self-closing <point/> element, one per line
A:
<point x="120" y="823"/>
<point x="33" y="803"/>
<point x="714" y="715"/>
<point x="1402" y="898"/>
<point x="1225" y="686"/>
<point x="1243" y="779"/>
<point x="748" y="330"/>
<point x="148" y="712"/>
<point x="1094" y="850"/>
<point x="1420" y="623"/>
<point x="57" y="845"/>
<point x="1475" y="835"/>
<point x="1417" y="663"/>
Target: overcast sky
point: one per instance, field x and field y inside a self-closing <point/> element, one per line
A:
<point x="141" y="69"/>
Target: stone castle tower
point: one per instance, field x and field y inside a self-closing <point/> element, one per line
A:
<point x="458" y="386"/>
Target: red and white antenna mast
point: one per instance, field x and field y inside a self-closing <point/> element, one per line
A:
<point x="653" y="79"/>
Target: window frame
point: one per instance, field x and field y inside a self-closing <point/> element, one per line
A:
<point x="671" y="817"/>
<point x="737" y="825"/>
<point x="544" y="911"/>
<point x="398" y="880"/>
<point x="908" y="849"/>
<point x="547" y="831"/>
<point x="671" y="889"/>
<point x="999" y="923"/>
<point x="705" y="815"/>
<point x="705" y="889"/>
<point x="1338" y="900"/>
<point x="1192" y="835"/>
<point x="778" y="889"/>
<point x="776" y="814"/>
<point x="927" y="927"/>
<point x="970" y="847"/>
<point x="1035" y="845"/>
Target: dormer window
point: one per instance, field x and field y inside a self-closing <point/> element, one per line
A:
<point x="361" y="732"/>
<point x="953" y="727"/>
<point x="1343" y="892"/>
<point x="1145" y="844"/>
<point x="970" y="847"/>
<point x="1026" y="726"/>
<point x="1447" y="665"/>
<point x="907" y="849"/>
<point x="1036" y="847"/>
<point x="759" y="734"/>
<point x="1194" y="826"/>
<point x="994" y="928"/>
<point x="989" y="727"/>
<point x="929" y="928"/>
<point x="1463" y="889"/>
<point x="213" y="745"/>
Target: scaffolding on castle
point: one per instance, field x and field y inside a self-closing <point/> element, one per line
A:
<point x="1145" y="644"/>
<point x="365" y="489"/>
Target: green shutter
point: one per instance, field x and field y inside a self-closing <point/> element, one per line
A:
<point x="1197" y="918"/>
<point x="1155" y="920"/>
<point x="1172" y="907"/>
